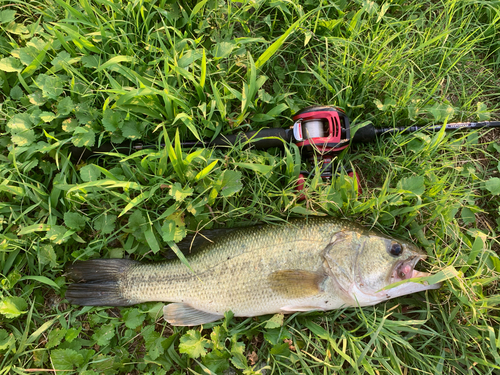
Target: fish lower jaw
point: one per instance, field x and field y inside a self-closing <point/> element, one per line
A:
<point x="360" y="298"/>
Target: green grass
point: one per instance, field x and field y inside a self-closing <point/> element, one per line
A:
<point x="80" y="73"/>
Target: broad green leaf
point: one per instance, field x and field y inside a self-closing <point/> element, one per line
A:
<point x="72" y="333"/>
<point x="105" y="223"/>
<point x="264" y="96"/>
<point x="7" y="16"/>
<point x="281" y="349"/>
<point x="38" y="60"/>
<point x="171" y="232"/>
<point x="382" y="12"/>
<point x="62" y="60"/>
<point x="193" y="344"/>
<point x="12" y="307"/>
<point x="468" y="216"/>
<point x="19" y="123"/>
<point x="231" y="183"/>
<point x="65" y="106"/>
<point x="57" y="234"/>
<point x="10" y="64"/>
<point x="104" y="334"/>
<point x="482" y="112"/>
<point x="132" y="129"/>
<point x="133" y="318"/>
<point x="47" y="255"/>
<point x="223" y="49"/>
<point x="217" y="361"/>
<point x="83" y="136"/>
<point x="7" y="340"/>
<point x="154" y="342"/>
<point x="275" y="336"/>
<point x="36" y="98"/>
<point x="25" y="138"/>
<point x="16" y="93"/>
<point x="307" y="36"/>
<point x="17" y="28"/>
<point x="55" y="337"/>
<point x="112" y="120"/>
<point x="414" y="184"/>
<point x="51" y="86"/>
<point x="47" y="116"/>
<point x="74" y="220"/>
<point x="179" y="193"/>
<point x="33" y="228"/>
<point x="238" y="358"/>
<point x="388" y="104"/>
<point x="441" y="111"/>
<point x="136" y="220"/>
<point x="264" y="169"/>
<point x="493" y="185"/>
<point x="90" y="173"/>
<point x="275" y="322"/>
<point x="189" y="57"/>
<point x="370" y="7"/>
<point x="277" y="110"/>
<point x="90" y="61"/>
<point x="69" y="125"/>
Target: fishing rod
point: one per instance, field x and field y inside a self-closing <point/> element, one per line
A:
<point x="321" y="132"/>
<point x="316" y="129"/>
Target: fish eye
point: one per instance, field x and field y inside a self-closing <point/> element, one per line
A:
<point x="396" y="249"/>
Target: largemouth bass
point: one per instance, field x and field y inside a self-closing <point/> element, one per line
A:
<point x="307" y="264"/>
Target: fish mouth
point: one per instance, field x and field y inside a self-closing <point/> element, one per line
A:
<point x="405" y="269"/>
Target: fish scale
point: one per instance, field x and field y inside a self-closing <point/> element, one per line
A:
<point x="306" y="264"/>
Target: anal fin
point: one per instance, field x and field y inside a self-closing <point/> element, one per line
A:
<point x="296" y="283"/>
<point x="181" y="314"/>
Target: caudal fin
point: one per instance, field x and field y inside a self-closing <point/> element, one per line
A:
<point x="97" y="282"/>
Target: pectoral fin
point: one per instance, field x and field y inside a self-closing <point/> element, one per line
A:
<point x="296" y="283"/>
<point x="181" y="314"/>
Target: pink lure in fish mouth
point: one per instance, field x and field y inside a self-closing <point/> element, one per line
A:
<point x="406" y="269"/>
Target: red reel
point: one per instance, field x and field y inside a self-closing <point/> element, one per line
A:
<point x="322" y="129"/>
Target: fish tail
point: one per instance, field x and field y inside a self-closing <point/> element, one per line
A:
<point x="98" y="282"/>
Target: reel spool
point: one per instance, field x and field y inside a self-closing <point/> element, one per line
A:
<point x="321" y="129"/>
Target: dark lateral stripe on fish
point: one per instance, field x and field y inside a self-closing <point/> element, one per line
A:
<point x="97" y="282"/>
